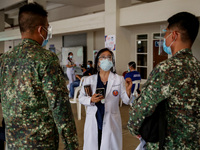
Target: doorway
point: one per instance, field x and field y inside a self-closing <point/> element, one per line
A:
<point x="156" y="57"/>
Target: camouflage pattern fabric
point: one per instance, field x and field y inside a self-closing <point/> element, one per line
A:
<point x="35" y="100"/>
<point x="178" y="81"/>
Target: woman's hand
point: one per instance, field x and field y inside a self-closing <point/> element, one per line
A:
<point x="96" y="98"/>
<point x="128" y="86"/>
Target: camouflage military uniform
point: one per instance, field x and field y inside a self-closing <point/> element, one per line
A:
<point x="178" y="81"/>
<point x="35" y="99"/>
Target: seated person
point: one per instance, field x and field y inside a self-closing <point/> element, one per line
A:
<point x="76" y="83"/>
<point x="133" y="74"/>
<point x="124" y="73"/>
<point x="90" y="68"/>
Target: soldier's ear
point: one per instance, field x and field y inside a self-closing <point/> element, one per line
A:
<point x="39" y="29"/>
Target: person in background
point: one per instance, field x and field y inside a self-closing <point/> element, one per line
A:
<point x="176" y="81"/>
<point x="87" y="72"/>
<point x="103" y="128"/>
<point x="70" y="69"/>
<point x="90" y="68"/>
<point x="133" y="74"/>
<point x="33" y="89"/>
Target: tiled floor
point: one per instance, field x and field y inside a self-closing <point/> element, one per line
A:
<point x="129" y="142"/>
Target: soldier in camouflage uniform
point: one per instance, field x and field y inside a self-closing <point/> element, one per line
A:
<point x="176" y="80"/>
<point x="34" y="96"/>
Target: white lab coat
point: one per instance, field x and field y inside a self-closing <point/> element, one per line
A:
<point x="70" y="74"/>
<point x="112" y="127"/>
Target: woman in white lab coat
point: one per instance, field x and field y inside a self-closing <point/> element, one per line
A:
<point x="70" y="69"/>
<point x="103" y="128"/>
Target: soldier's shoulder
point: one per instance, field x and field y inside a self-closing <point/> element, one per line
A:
<point x="41" y="54"/>
<point x="165" y="65"/>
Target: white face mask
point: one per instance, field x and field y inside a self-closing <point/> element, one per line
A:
<point x="106" y="64"/>
<point x="71" y="56"/>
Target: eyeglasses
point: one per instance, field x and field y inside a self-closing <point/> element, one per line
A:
<point x="105" y="57"/>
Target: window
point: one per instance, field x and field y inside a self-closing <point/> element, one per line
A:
<point x="141" y="54"/>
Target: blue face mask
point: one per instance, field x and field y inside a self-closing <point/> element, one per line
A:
<point x="88" y="66"/>
<point x="166" y="48"/>
<point x="71" y="56"/>
<point x="44" y="43"/>
<point x="49" y="35"/>
<point x="106" y="64"/>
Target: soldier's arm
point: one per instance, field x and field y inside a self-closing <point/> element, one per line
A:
<point x="155" y="90"/>
<point x="56" y="92"/>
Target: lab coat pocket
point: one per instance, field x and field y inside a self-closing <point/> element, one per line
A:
<point x="116" y="121"/>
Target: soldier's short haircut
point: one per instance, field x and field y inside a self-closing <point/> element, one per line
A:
<point x="132" y="64"/>
<point x="187" y="23"/>
<point x="30" y="16"/>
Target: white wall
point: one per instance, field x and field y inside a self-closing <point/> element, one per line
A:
<point x="57" y="41"/>
<point x="72" y="11"/>
<point x="99" y="39"/>
<point x="95" y="41"/>
<point x="123" y="49"/>
<point x="11" y="43"/>
<point x="157" y="11"/>
<point x="196" y="47"/>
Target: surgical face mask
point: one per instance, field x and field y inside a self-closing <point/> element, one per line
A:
<point x="71" y="56"/>
<point x="128" y="69"/>
<point x="106" y="64"/>
<point x="167" y="49"/>
<point x="88" y="66"/>
<point x="49" y="35"/>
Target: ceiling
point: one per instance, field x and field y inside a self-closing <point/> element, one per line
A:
<point x="11" y="7"/>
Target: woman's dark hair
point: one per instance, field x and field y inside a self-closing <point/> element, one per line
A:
<point x="96" y="67"/>
<point x="68" y="56"/>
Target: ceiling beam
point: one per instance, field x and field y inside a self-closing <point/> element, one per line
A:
<point x="7" y="3"/>
<point x="9" y="21"/>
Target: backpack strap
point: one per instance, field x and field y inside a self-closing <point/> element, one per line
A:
<point x="162" y="124"/>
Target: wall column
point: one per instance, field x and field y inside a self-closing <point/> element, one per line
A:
<point x="122" y="34"/>
<point x="2" y="26"/>
<point x="90" y="45"/>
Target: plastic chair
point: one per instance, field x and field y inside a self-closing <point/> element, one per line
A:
<point x="75" y="100"/>
<point x="135" y="94"/>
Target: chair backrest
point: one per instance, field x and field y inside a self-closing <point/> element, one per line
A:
<point x="82" y="79"/>
<point x="136" y="82"/>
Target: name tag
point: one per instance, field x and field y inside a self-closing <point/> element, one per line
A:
<point x="136" y="75"/>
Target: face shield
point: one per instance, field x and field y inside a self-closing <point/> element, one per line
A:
<point x="161" y="40"/>
<point x="49" y="31"/>
<point x="110" y="59"/>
